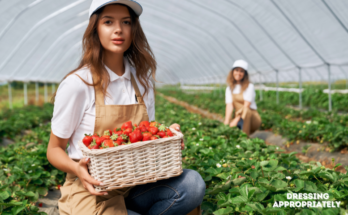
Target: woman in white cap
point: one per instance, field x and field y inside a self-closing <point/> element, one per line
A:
<point x="112" y="86"/>
<point x="240" y="95"/>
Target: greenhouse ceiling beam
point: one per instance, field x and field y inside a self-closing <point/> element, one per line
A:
<point x="197" y="58"/>
<point x="298" y="32"/>
<point x="193" y="42"/>
<point x="26" y="58"/>
<point x="334" y="14"/>
<point x="15" y="18"/>
<point x="38" y="24"/>
<point x="175" y="18"/>
<point x="266" y="32"/>
<point x="57" y="64"/>
<point x="54" y="44"/>
<point x="226" y="18"/>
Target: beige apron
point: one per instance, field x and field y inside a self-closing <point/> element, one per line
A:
<point x="75" y="199"/>
<point x="251" y="118"/>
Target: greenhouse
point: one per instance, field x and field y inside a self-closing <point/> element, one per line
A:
<point x="259" y="89"/>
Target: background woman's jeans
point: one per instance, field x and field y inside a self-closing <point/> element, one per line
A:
<point x="178" y="195"/>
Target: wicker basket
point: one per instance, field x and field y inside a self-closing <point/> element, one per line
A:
<point x="134" y="164"/>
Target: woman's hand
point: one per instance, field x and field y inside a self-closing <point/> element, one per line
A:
<point x="226" y="122"/>
<point x="235" y="121"/>
<point x="86" y="179"/>
<point x="176" y="127"/>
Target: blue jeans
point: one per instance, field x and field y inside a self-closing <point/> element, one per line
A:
<point x="178" y="195"/>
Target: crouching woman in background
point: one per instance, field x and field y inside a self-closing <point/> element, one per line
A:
<point x="240" y="95"/>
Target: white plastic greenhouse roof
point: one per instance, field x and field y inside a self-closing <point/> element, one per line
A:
<point x="194" y="41"/>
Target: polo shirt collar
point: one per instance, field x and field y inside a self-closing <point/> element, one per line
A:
<point x="126" y="75"/>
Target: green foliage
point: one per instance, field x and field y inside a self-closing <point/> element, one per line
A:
<point x="308" y="125"/>
<point x="246" y="176"/>
<point x="12" y="122"/>
<point x="25" y="173"/>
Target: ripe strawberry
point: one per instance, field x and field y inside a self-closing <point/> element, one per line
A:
<point x="99" y="140"/>
<point x="143" y="128"/>
<point x="139" y="135"/>
<point x="87" y="140"/>
<point x="40" y="204"/>
<point x="144" y="123"/>
<point x="108" y="132"/>
<point x="127" y="131"/>
<point x="153" y="130"/>
<point x="58" y="187"/>
<point x="101" y="147"/>
<point x="95" y="147"/>
<point x="117" y="143"/>
<point x="162" y="131"/>
<point x="147" y="136"/>
<point x="133" y="137"/>
<point x="108" y="144"/>
<point x="169" y="132"/>
<point x="161" y="134"/>
<point x="135" y="125"/>
<point x="154" y="137"/>
<point x="95" y="136"/>
<point x="165" y="136"/>
<point x="106" y="137"/>
<point x="117" y="131"/>
<point x="122" y="138"/>
<point x="154" y="124"/>
<point x="127" y="125"/>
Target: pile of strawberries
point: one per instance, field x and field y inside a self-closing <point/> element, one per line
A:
<point x="127" y="134"/>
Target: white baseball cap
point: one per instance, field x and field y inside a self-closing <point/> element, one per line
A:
<point x="97" y="4"/>
<point x="240" y="63"/>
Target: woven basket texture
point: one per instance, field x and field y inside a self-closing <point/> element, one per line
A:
<point x="135" y="164"/>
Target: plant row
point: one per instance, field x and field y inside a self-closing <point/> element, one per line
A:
<point x="12" y="122"/>
<point x="25" y="173"/>
<point x="246" y="176"/>
<point x="310" y="98"/>
<point x="308" y="125"/>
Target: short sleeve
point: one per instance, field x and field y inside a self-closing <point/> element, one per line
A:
<point x="69" y="106"/>
<point x="228" y="96"/>
<point x="249" y="93"/>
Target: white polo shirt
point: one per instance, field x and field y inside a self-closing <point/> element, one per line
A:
<point x="74" y="106"/>
<point x="248" y="95"/>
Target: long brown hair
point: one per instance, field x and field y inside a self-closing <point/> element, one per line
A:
<point x="232" y="82"/>
<point x="139" y="54"/>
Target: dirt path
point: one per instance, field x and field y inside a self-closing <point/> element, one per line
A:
<point x="313" y="151"/>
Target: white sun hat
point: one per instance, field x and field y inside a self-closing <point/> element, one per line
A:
<point x="97" y="4"/>
<point x="240" y="63"/>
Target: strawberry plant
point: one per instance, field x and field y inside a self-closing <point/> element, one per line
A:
<point x="25" y="173"/>
<point x="309" y="125"/>
<point x="12" y="122"/>
<point x="246" y="176"/>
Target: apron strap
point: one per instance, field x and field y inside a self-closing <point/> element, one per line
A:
<point x="99" y="97"/>
<point x="136" y="89"/>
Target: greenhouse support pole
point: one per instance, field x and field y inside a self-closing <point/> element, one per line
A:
<point x="37" y="92"/>
<point x="300" y="83"/>
<point x="277" y="86"/>
<point x="330" y="100"/>
<point x="260" y="86"/>
<point x="9" y="95"/>
<point x="53" y="88"/>
<point x="25" y="86"/>
<point x="45" y="92"/>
